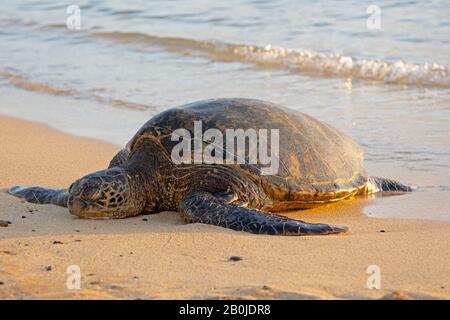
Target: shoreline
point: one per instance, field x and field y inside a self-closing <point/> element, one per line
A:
<point x="159" y="256"/>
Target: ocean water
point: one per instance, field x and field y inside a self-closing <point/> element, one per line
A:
<point x="387" y="87"/>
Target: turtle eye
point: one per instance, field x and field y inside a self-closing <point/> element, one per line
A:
<point x="86" y="189"/>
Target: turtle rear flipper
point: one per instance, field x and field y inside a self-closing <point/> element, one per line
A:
<point x="204" y="207"/>
<point x="377" y="184"/>
<point x="41" y="195"/>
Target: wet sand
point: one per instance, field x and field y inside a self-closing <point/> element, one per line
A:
<point x="159" y="256"/>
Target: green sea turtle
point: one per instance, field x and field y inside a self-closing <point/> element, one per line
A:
<point x="317" y="165"/>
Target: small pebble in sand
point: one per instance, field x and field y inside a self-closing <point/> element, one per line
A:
<point x="1" y="283"/>
<point x="48" y="268"/>
<point x="145" y="219"/>
<point x="4" y="223"/>
<point x="57" y="242"/>
<point x="235" y="258"/>
<point x="382" y="230"/>
<point x="33" y="230"/>
<point x="23" y="217"/>
<point x="77" y="240"/>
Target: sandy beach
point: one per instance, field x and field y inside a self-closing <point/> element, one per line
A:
<point x="161" y="257"/>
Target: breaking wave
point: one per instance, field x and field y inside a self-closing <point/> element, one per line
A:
<point x="302" y="61"/>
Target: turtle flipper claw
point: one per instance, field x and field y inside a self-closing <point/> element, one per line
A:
<point x="15" y="191"/>
<point x="295" y="227"/>
<point x="339" y="229"/>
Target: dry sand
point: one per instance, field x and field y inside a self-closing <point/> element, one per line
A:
<point x="159" y="256"/>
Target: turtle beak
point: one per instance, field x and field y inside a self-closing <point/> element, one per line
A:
<point x="77" y="206"/>
<point x="85" y="210"/>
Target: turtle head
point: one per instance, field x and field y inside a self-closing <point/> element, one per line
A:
<point x="105" y="194"/>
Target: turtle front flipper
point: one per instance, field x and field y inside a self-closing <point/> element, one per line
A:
<point x="41" y="195"/>
<point x="204" y="207"/>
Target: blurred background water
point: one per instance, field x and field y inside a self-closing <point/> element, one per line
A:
<point x="388" y="88"/>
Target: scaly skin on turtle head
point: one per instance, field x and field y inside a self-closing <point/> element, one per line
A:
<point x="105" y="194"/>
